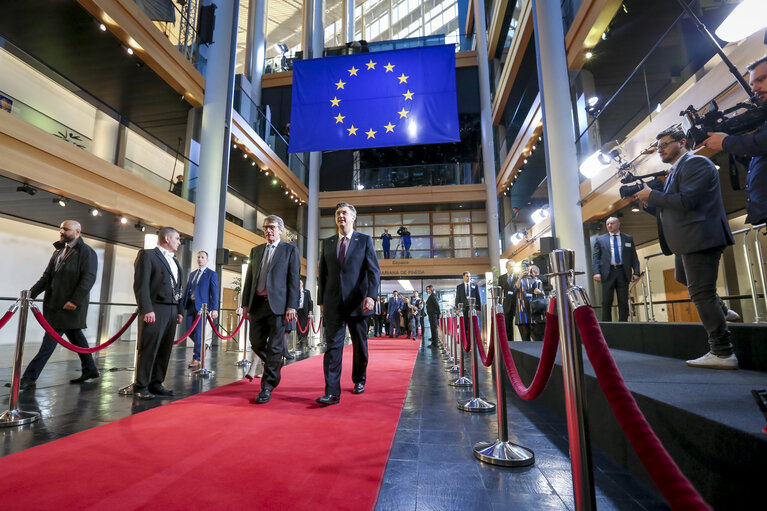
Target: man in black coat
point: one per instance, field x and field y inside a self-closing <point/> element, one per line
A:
<point x="305" y="306"/>
<point x="615" y="264"/>
<point x="348" y="285"/>
<point x="270" y="293"/>
<point x="67" y="282"/>
<point x="465" y="290"/>
<point x="692" y="225"/>
<point x="432" y="310"/>
<point x="158" y="287"/>
<point x="508" y="284"/>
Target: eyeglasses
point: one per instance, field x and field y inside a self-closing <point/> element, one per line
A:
<point x="665" y="144"/>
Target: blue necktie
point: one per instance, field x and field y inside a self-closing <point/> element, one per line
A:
<point x="616" y="250"/>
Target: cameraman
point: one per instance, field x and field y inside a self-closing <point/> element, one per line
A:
<point x="405" y="235"/>
<point x="693" y="226"/>
<point x="753" y="145"/>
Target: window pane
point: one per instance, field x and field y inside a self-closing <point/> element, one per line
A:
<point x="442" y="217"/>
<point x="389" y="220"/>
<point x="480" y="241"/>
<point x="365" y="220"/>
<point x="440" y="229"/>
<point x="419" y="230"/>
<point x="463" y="253"/>
<point x="365" y="230"/>
<point x="462" y="229"/>
<point x="327" y="221"/>
<point x="326" y="233"/>
<point x="479" y="228"/>
<point x="441" y="242"/>
<point x="416" y="218"/>
<point x="460" y="216"/>
<point x="479" y="216"/>
<point x="462" y="241"/>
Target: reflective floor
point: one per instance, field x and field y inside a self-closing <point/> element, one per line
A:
<point x="431" y="466"/>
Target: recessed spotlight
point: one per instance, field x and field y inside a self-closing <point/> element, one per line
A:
<point x="245" y="155"/>
<point x="123" y="220"/>
<point x="140" y="227"/>
<point x="129" y="50"/>
<point x="234" y="258"/>
<point x="274" y="181"/>
<point x="94" y="212"/>
<point x="252" y="164"/>
<point x="62" y="201"/>
<point x="102" y="27"/>
<point x="589" y="55"/>
<point x="26" y="189"/>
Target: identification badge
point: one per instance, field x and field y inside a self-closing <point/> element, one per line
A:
<point x="628" y="245"/>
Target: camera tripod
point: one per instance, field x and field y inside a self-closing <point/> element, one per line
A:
<point x="405" y="252"/>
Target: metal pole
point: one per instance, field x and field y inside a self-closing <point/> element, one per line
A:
<point x="454" y="347"/>
<point x="651" y="317"/>
<point x="760" y="260"/>
<point x="294" y="334"/>
<point x="501" y="452"/>
<point x="445" y="342"/>
<point x="750" y="270"/>
<point x="202" y="371"/>
<point x="563" y="263"/>
<point x="476" y="403"/>
<point x="13" y="416"/>
<point x="244" y="361"/>
<point x="462" y="380"/>
<point x="128" y="389"/>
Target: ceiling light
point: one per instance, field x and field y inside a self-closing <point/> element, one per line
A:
<point x="539" y="215"/>
<point x="274" y="181"/>
<point x="286" y="192"/>
<point x="635" y="209"/>
<point x="140" y="227"/>
<point x="360" y="187"/>
<point x="94" y="212"/>
<point x="747" y="17"/>
<point x="593" y="100"/>
<point x="592" y="165"/>
<point x="516" y="238"/>
<point x="406" y="285"/>
<point x="102" y="27"/>
<point x="123" y="220"/>
<point x="252" y="164"/>
<point x="525" y="161"/>
<point x="245" y="155"/>
<point x="129" y="50"/>
<point x="589" y="55"/>
<point x="234" y="258"/>
<point x="26" y="189"/>
<point x="658" y="108"/>
<point x="62" y="201"/>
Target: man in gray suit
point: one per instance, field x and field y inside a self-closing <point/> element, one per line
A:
<point x="615" y="264"/>
<point x="693" y="226"/>
<point x="270" y="293"/>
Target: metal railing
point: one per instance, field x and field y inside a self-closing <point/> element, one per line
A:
<point x="177" y="23"/>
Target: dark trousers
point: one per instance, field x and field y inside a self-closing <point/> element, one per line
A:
<point x="335" y="331"/>
<point x="47" y="348"/>
<point x="303" y="320"/>
<point x="378" y="324"/>
<point x="615" y="282"/>
<point x="509" y="325"/>
<point x="191" y="315"/>
<point x="155" y="341"/>
<point x="267" y="339"/>
<point x="433" y="324"/>
<point x="394" y="323"/>
<point x="698" y="271"/>
<point x="386" y="251"/>
<point x="531" y="331"/>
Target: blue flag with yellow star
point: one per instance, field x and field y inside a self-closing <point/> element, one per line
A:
<point x="380" y="99"/>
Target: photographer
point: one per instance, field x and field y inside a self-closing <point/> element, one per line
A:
<point x="531" y="304"/>
<point x="405" y="235"/>
<point x="754" y="146"/>
<point x="693" y="226"/>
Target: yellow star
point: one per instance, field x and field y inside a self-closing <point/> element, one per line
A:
<point x="339" y="118"/>
<point x="389" y="127"/>
<point x="389" y="67"/>
<point x="353" y="71"/>
<point x="403" y="113"/>
<point x="370" y="133"/>
<point x="408" y="94"/>
<point x="340" y="84"/>
<point x="335" y="101"/>
<point x="402" y="78"/>
<point x="371" y="64"/>
<point x="352" y="130"/>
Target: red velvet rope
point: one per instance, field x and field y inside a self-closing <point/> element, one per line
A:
<point x="486" y="358"/>
<point x="189" y="332"/>
<point x="68" y="345"/>
<point x="305" y="329"/>
<point x="465" y="341"/>
<point x="674" y="486"/>
<point x="226" y="337"/>
<point x="319" y="326"/>
<point x="6" y="318"/>
<point x="545" y="366"/>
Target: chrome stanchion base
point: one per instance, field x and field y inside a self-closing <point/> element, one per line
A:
<point x="449" y="361"/>
<point x="203" y="372"/>
<point x="477" y="405"/>
<point x="453" y="369"/>
<point x="17" y="418"/>
<point x="242" y="363"/>
<point x="126" y="391"/>
<point x="505" y="454"/>
<point x="463" y="381"/>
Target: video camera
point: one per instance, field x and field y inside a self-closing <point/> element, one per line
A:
<point x="628" y="190"/>
<point x="698" y="126"/>
<point x="402" y="231"/>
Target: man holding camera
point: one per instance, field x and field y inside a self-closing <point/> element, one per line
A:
<point x="693" y="226"/>
<point x="754" y="146"/>
<point x="406" y="241"/>
<point x="615" y="264"/>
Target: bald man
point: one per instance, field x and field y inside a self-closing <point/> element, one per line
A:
<point x="615" y="264"/>
<point x="67" y="282"/>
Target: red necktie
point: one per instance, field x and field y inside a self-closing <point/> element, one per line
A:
<point x="342" y="251"/>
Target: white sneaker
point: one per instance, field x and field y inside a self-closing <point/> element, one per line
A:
<point x="711" y="361"/>
<point x="732" y="315"/>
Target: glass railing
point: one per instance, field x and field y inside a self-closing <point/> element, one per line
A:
<point x="277" y="140"/>
<point x="442" y="174"/>
<point x="177" y="23"/>
<point x="434" y="246"/>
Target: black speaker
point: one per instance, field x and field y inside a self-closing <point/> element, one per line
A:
<point x="222" y="256"/>
<point x="206" y="23"/>
<point x="548" y="244"/>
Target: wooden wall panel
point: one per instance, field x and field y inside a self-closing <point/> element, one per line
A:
<point x="403" y="196"/>
<point x="416" y="268"/>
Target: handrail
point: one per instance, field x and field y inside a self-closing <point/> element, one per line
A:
<point x="649" y="313"/>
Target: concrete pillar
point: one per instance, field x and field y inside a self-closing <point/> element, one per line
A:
<point x="348" y="24"/>
<point x="106" y="137"/>
<point x="486" y="124"/>
<point x="255" y="60"/>
<point x="559" y="132"/>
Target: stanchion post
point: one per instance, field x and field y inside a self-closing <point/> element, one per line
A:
<point x="245" y="329"/>
<point x="454" y="344"/>
<point x="462" y="380"/>
<point x="203" y="371"/>
<point x="128" y="389"/>
<point x="476" y="404"/>
<point x="501" y="452"/>
<point x="563" y="263"/>
<point x="446" y="343"/>
<point x="760" y="261"/>
<point x="13" y="416"/>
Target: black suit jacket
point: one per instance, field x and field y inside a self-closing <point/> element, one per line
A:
<point x="600" y="255"/>
<point x="72" y="282"/>
<point x="509" y="293"/>
<point x="432" y="305"/>
<point x="343" y="289"/>
<point x="690" y="211"/>
<point x="282" y="278"/>
<point x="153" y="281"/>
<point x="460" y="295"/>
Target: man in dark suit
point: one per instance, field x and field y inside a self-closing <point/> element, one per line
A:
<point x="432" y="310"/>
<point x="509" y="292"/>
<point x="201" y="287"/>
<point x="615" y="264"/>
<point x="348" y="285"/>
<point x="270" y="293"/>
<point x="305" y="306"/>
<point x="66" y="281"/>
<point x="378" y="317"/>
<point x="693" y="226"/>
<point x="394" y="313"/>
<point x="158" y="289"/>
<point x="465" y="290"/>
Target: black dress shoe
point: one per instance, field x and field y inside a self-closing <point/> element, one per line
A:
<point x="85" y="377"/>
<point x="162" y="391"/>
<point x="264" y="396"/>
<point x="289" y="357"/>
<point x="25" y="384"/>
<point x="143" y="394"/>
<point x="328" y="399"/>
<point x="359" y="388"/>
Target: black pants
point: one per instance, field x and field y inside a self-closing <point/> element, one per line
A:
<point x="615" y="282"/>
<point x="394" y="323"/>
<point x="531" y="331"/>
<point x="267" y="339"/>
<point x="509" y="325"/>
<point x="47" y="348"/>
<point x="698" y="271"/>
<point x="155" y="341"/>
<point x="378" y="325"/>
<point x="433" y="324"/>
<point x="335" y="332"/>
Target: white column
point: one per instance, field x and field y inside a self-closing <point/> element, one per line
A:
<point x="349" y="21"/>
<point x="255" y="59"/>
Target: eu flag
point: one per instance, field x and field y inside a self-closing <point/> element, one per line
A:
<point x="380" y="99"/>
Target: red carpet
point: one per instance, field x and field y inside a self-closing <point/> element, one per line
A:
<point x="217" y="450"/>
